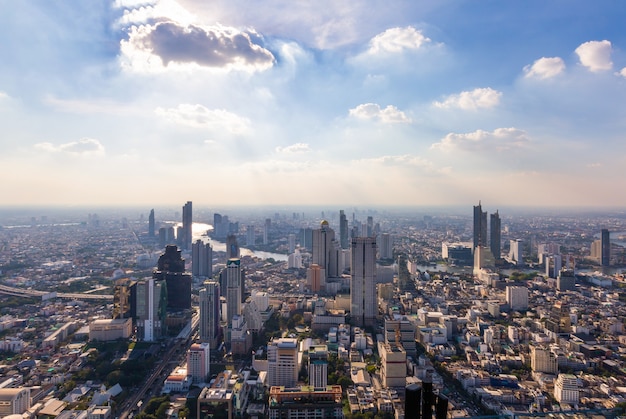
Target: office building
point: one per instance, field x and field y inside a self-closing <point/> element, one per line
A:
<point x="171" y="269"/>
<point x="166" y="236"/>
<point x="209" y="327"/>
<point x="232" y="247"/>
<point x="315" y="278"/>
<point x="266" y="230"/>
<point x="305" y="402"/>
<point x="363" y="307"/>
<point x="318" y="366"/>
<point x="517" y="297"/>
<point x="125" y="298"/>
<point x="201" y="259"/>
<point x="385" y="246"/>
<point x="543" y="360"/>
<point x="233" y="284"/>
<point x="606" y="247"/>
<point x="151" y="309"/>
<point x="14" y="401"/>
<point x="151" y="225"/>
<point x="185" y="240"/>
<point x="392" y="365"/>
<point x="282" y="362"/>
<point x="250" y="236"/>
<point x="322" y="242"/>
<point x="515" y="252"/>
<point x="291" y="240"/>
<point x="566" y="280"/>
<point x="343" y="230"/>
<point x="566" y="389"/>
<point x="480" y="227"/>
<point x="495" y="235"/>
<point x="198" y="362"/>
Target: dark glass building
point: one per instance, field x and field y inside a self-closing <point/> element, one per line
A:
<point x="171" y="269"/>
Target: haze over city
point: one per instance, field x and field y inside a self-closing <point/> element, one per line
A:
<point x="366" y="103"/>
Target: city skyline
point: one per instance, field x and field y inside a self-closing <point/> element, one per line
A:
<point x="433" y="104"/>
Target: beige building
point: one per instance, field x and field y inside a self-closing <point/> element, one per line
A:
<point x="110" y="329"/>
<point x="14" y="401"/>
<point x="393" y="365"/>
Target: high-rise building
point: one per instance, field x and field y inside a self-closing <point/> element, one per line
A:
<point x="517" y="297"/>
<point x="14" y="401"/>
<point x="343" y="230"/>
<point x="233" y="288"/>
<point x="171" y="269"/>
<point x="315" y="277"/>
<point x="495" y="235"/>
<point x="363" y="307"/>
<point x="543" y="360"/>
<point x="209" y="299"/>
<point x="201" y="259"/>
<point x="151" y="309"/>
<point x="198" y="362"/>
<point x="566" y="389"/>
<point x="385" y="246"/>
<point x="125" y="299"/>
<point x="185" y="240"/>
<point x="166" y="236"/>
<point x="291" y="240"/>
<point x="250" y="236"/>
<point x="266" y="230"/>
<point x="318" y="366"/>
<point x="515" y="252"/>
<point x="606" y="247"/>
<point x="480" y="226"/>
<point x="370" y="226"/>
<point x="151" y="224"/>
<point x="282" y="362"/>
<point x="232" y="247"/>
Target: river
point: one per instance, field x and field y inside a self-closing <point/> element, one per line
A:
<point x="199" y="231"/>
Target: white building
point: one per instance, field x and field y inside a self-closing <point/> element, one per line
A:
<point x="282" y="362"/>
<point x="517" y="297"/>
<point x="198" y="362"/>
<point x="566" y="389"/>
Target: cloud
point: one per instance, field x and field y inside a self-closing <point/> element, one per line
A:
<point x="545" y="68"/>
<point x="396" y="40"/>
<point x="595" y="55"/>
<point x="501" y="139"/>
<point x="623" y="72"/>
<point x="294" y="148"/>
<point x="482" y="98"/>
<point x="388" y="115"/>
<point x="84" y="146"/>
<point x="169" y="44"/>
<point x="3" y="95"/>
<point x="197" y="116"/>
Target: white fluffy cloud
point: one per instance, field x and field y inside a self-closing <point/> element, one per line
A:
<point x="595" y="55"/>
<point x="396" y="40"/>
<point x="482" y="98"/>
<point x="294" y="148"/>
<point x="545" y="68"/>
<point x="373" y="111"/>
<point x="623" y="72"/>
<point x="500" y="139"/>
<point x="84" y="146"/>
<point x="168" y="44"/>
<point x="197" y="116"/>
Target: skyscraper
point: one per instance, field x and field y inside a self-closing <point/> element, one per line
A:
<point x="606" y="247"/>
<point x="151" y="309"/>
<point x="343" y="230"/>
<point x="266" y="230"/>
<point x="480" y="227"/>
<point x="185" y="241"/>
<point x="495" y="235"/>
<point x="363" y="281"/>
<point x="385" y="246"/>
<point x="151" y="223"/>
<point x="171" y="269"/>
<point x="232" y="247"/>
<point x="233" y="288"/>
<point x="201" y="259"/>
<point x="318" y="366"/>
<point x="209" y="299"/>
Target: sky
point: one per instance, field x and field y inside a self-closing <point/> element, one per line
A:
<point x="276" y="102"/>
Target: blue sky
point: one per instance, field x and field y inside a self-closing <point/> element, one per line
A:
<point x="327" y="102"/>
